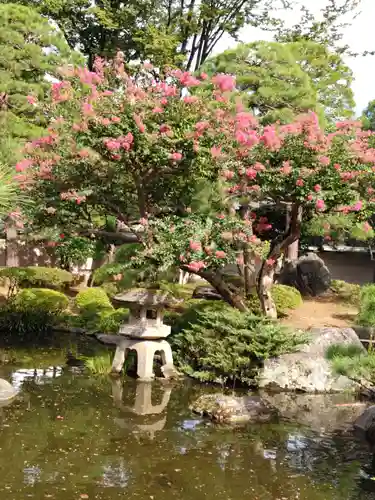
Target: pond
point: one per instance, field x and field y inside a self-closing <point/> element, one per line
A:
<point x="70" y="436"/>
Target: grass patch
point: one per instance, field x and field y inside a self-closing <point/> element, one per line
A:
<point x="348" y="293"/>
<point x="99" y="365"/>
<point x="353" y="362"/>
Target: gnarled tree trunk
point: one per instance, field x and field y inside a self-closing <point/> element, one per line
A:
<point x="231" y="294"/>
<point x="264" y="289"/>
<point x="267" y="272"/>
<point x="293" y="249"/>
<point x="12" y="255"/>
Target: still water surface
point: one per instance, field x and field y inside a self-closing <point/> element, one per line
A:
<point x="71" y="437"/>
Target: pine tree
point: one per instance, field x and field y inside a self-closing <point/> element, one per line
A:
<point x="30" y="49"/>
<point x="281" y="80"/>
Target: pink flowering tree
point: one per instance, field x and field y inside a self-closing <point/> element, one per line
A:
<point x="133" y="148"/>
<point x="315" y="175"/>
<point x="116" y="146"/>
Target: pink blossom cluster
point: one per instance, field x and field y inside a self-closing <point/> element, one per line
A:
<point x="88" y="77"/>
<point x="60" y="91"/>
<point x="24" y="164"/>
<point x="122" y="142"/>
<point x="263" y="225"/>
<point x="72" y="195"/>
<point x="226" y="83"/>
<point x="356" y="207"/>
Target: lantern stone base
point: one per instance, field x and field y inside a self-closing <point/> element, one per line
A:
<point x="145" y="349"/>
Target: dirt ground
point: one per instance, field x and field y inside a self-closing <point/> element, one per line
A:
<point x="321" y="312"/>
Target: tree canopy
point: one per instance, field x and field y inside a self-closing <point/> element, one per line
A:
<point x="172" y="32"/>
<point x="281" y="80"/>
<point x="368" y="116"/>
<point x="140" y="152"/>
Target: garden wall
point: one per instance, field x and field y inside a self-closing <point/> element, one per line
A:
<point x="353" y="267"/>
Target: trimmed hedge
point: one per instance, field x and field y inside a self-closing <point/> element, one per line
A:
<point x="286" y="299"/>
<point x="366" y="316"/>
<point x="41" y="299"/>
<point x="31" y="315"/>
<point x="347" y="292"/>
<point x="109" y="321"/>
<point x="93" y="300"/>
<point x="38" y="277"/>
<point x="97" y="314"/>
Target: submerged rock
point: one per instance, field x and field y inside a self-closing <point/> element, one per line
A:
<point x="320" y="412"/>
<point x="308" y="370"/>
<point x="233" y="409"/>
<point x="7" y="392"/>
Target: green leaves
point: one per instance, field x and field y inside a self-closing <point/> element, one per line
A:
<point x="30" y="48"/>
<point x="219" y="343"/>
<point x="280" y="80"/>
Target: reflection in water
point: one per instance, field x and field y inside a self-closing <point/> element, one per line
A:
<point x="77" y="437"/>
<point x="115" y="475"/>
<point x="38" y="376"/>
<point x="31" y="475"/>
<point x="143" y="406"/>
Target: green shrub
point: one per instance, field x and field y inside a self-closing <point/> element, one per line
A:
<point x="286" y="299"/>
<point x="31" y="314"/>
<point x="116" y="274"/>
<point x="223" y="344"/>
<point x="180" y="317"/>
<point x="24" y="325"/>
<point x="109" y="321"/>
<point x="97" y="314"/>
<point x="41" y="299"/>
<point x="99" y="365"/>
<point x="40" y="277"/>
<point x="353" y="362"/>
<point x="366" y="314"/>
<point x="92" y="301"/>
<point x="347" y="292"/>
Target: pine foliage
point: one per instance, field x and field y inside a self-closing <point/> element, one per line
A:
<point x="219" y="343"/>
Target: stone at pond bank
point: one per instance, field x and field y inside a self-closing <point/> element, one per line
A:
<point x="365" y="425"/>
<point x="232" y="409"/>
<point x="308" y="274"/>
<point x="7" y="392"/>
<point x="308" y="370"/>
<point x="320" y="412"/>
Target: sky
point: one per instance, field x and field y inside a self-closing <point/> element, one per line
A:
<point x="359" y="36"/>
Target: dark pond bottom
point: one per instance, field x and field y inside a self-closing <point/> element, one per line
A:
<point x="71" y="437"/>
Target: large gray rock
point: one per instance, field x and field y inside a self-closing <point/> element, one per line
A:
<point x="308" y="370"/>
<point x="365" y="425"/>
<point x="308" y="274"/>
<point x="7" y="392"/>
<point x="232" y="409"/>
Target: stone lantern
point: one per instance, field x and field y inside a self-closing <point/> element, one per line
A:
<point x="145" y="332"/>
